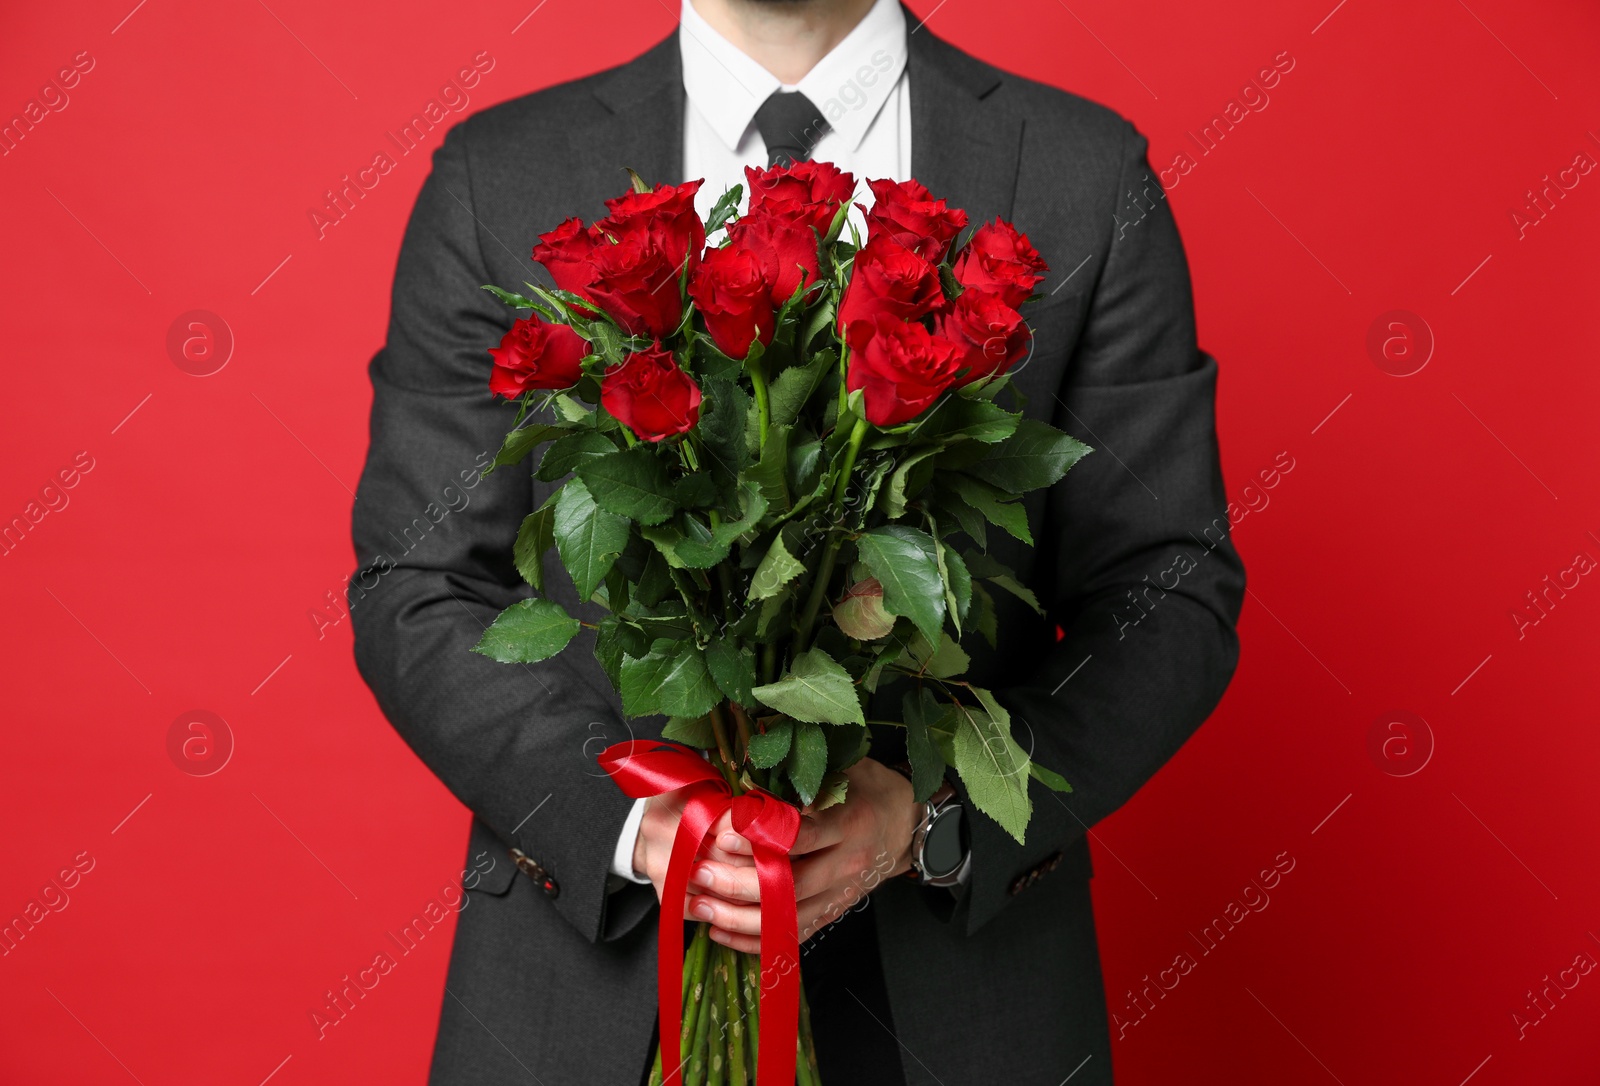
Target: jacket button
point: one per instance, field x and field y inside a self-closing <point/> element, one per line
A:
<point x="1018" y="884"/>
<point x="527" y="865"/>
<point x="550" y="888"/>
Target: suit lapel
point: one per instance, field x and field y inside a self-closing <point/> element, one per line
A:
<point x="643" y="127"/>
<point x="964" y="146"/>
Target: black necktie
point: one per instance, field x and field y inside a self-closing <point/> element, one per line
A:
<point x="790" y="126"/>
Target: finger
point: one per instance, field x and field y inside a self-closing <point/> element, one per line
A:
<point x="735" y="859"/>
<point x="818" y="832"/>
<point x="742" y="919"/>
<point x="818" y="873"/>
<point x="732" y="882"/>
<point x="745" y="944"/>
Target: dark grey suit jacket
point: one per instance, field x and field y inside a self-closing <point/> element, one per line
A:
<point x="552" y="978"/>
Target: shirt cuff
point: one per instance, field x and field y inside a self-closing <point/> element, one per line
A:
<point x="622" y="858"/>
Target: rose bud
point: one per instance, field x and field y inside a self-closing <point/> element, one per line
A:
<point x="785" y="244"/>
<point x="636" y="280"/>
<point x="899" y="367"/>
<point x="999" y="259"/>
<point x="888" y="278"/>
<point x="908" y="213"/>
<point x="813" y="190"/>
<point x="860" y="614"/>
<point x="567" y="252"/>
<point x="988" y="334"/>
<point x="668" y="211"/>
<point x="732" y="295"/>
<point x="536" y="354"/>
<point x="651" y="395"/>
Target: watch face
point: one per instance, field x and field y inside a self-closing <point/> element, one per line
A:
<point x="941" y="850"/>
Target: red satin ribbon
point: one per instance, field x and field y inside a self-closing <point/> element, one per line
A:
<point x="643" y="768"/>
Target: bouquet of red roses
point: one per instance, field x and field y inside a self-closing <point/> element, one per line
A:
<point x="782" y="454"/>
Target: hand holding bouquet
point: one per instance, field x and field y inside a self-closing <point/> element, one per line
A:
<point x="783" y="454"/>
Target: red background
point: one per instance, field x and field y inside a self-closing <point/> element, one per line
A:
<point x="1384" y="567"/>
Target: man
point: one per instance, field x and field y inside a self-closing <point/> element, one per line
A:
<point x="996" y="978"/>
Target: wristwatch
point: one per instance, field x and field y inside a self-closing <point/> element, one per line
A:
<point x="940" y="852"/>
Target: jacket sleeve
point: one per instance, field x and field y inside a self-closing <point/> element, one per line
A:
<point x="1134" y="552"/>
<point x="433" y="542"/>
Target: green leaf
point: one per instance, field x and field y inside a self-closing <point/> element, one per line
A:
<point x="655" y="582"/>
<point x="984" y="618"/>
<point x="835" y="786"/>
<point x="957" y="583"/>
<point x="808" y="760"/>
<point x="725" y="208"/>
<point x="771" y="471"/>
<point x="1017" y="589"/>
<point x="945" y="661"/>
<point x="733" y="667"/>
<point x="903" y="486"/>
<point x="948" y="281"/>
<point x="694" y="731"/>
<point x="536" y="536"/>
<point x="518" y="301"/>
<point x="904" y="562"/>
<point x="1035" y="456"/>
<point x="587" y="537"/>
<point x="768" y="749"/>
<point x="778" y="567"/>
<point x="1048" y="777"/>
<point x="994" y="504"/>
<point x="794" y="386"/>
<point x="963" y="419"/>
<point x="927" y="764"/>
<point x="568" y="452"/>
<point x="816" y="689"/>
<point x="724" y="452"/>
<point x="528" y="631"/>
<point x="573" y="409"/>
<point x="631" y="484"/>
<point x="672" y="678"/>
<point x="992" y="766"/>
<point x="520" y="442"/>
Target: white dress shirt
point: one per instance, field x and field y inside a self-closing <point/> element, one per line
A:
<point x="863" y="91"/>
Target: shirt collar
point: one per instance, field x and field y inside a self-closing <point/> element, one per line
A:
<point x="727" y="87"/>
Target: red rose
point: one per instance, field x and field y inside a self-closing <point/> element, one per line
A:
<point x="815" y="190"/>
<point x="536" y="354"/>
<point x="900" y="366"/>
<point x="786" y="246"/>
<point x="907" y="212"/>
<point x="567" y="252"/>
<point x="889" y="278"/>
<point x="668" y="210"/>
<point x="733" y="297"/>
<point x="999" y="259"/>
<point x="988" y="334"/>
<point x="651" y="394"/>
<point x="636" y="279"/>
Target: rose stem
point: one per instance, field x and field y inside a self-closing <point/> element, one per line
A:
<point x="696" y="1074"/>
<point x="750" y="966"/>
<point x="737" y="1070"/>
<point x="830" y="554"/>
<point x="717" y="1034"/>
<point x="758" y="385"/>
<point x="696" y="987"/>
<point x="806" y="1061"/>
<point x="730" y="768"/>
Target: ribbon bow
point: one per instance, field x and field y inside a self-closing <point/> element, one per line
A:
<point x="644" y="768"/>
